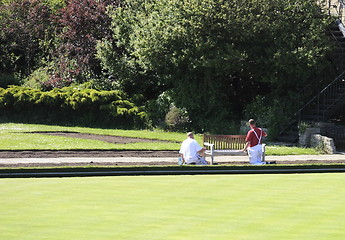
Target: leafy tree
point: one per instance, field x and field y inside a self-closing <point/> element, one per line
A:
<point x="81" y="24"/>
<point x="56" y="38"/>
<point x="24" y="27"/>
<point x="216" y="56"/>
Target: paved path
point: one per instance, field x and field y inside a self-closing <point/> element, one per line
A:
<point x="220" y="159"/>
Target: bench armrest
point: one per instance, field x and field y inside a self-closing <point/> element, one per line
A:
<point x="210" y="145"/>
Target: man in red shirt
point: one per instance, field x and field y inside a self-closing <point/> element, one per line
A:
<point x="254" y="144"/>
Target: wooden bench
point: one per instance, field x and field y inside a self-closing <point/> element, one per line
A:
<point x="225" y="145"/>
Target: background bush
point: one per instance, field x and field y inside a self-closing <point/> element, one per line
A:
<point x="70" y="106"/>
<point x="273" y="114"/>
<point x="177" y="119"/>
<point x="8" y="79"/>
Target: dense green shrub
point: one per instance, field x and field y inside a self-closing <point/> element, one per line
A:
<point x="177" y="119"/>
<point x="157" y="110"/>
<point x="272" y="114"/>
<point x="8" y="79"/>
<point x="70" y="106"/>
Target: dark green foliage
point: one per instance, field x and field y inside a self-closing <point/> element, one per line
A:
<point x="216" y="56"/>
<point x="158" y="109"/>
<point x="8" y="79"/>
<point x="81" y="23"/>
<point x="274" y="114"/>
<point x="55" y="35"/>
<point x="212" y="57"/>
<point x="26" y="30"/>
<point x="70" y="106"/>
<point x="177" y="120"/>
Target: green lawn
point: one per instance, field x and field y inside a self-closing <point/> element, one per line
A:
<point x="284" y="150"/>
<point x="16" y="137"/>
<point x="236" y="207"/>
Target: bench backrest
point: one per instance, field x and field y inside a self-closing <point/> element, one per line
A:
<point x="235" y="142"/>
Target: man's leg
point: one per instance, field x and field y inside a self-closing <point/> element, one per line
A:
<point x="201" y="161"/>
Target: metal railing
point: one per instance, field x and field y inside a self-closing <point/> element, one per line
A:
<point x="335" y="8"/>
<point x="326" y="100"/>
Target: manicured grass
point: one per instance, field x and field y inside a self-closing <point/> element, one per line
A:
<point x="25" y="141"/>
<point x="284" y="150"/>
<point x="160" y="135"/>
<point x="237" y="207"/>
<point x="16" y="137"/>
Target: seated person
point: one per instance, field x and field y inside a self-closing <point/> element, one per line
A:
<point x="191" y="152"/>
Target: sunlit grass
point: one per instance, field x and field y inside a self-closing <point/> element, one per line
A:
<point x="284" y="207"/>
<point x="284" y="150"/>
<point x="18" y="137"/>
<point x="155" y="134"/>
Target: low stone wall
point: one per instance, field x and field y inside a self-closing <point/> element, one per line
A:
<point x="305" y="138"/>
<point x="314" y="137"/>
<point x="323" y="143"/>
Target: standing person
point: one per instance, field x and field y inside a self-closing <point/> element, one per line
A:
<point x="254" y="144"/>
<point x="191" y="152"/>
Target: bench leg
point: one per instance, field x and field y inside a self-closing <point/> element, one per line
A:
<point x="211" y="159"/>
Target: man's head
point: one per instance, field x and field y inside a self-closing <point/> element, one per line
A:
<point x="190" y="135"/>
<point x="251" y="122"/>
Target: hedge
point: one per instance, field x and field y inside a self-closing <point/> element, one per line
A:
<point x="87" y="107"/>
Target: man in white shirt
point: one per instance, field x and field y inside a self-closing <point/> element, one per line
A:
<point x="190" y="151"/>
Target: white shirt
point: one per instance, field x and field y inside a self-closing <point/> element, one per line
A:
<point x="190" y="149"/>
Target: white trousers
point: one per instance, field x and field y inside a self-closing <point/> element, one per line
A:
<point x="255" y="155"/>
<point x="198" y="160"/>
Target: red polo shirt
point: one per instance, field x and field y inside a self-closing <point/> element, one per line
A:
<point x="251" y="137"/>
